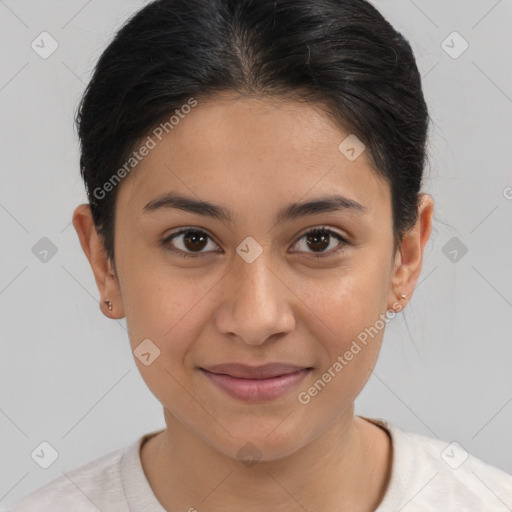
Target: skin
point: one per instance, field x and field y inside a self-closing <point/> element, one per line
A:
<point x="255" y="157"/>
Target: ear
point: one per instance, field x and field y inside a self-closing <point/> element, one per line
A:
<point x="104" y="273"/>
<point x="409" y="256"/>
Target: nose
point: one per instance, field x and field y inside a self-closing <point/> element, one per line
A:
<point x="255" y="303"/>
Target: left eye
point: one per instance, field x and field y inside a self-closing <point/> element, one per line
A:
<point x="319" y="239"/>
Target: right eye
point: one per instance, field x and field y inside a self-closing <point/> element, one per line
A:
<point x="190" y="239"/>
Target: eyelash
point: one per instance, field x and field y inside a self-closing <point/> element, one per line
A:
<point x="316" y="230"/>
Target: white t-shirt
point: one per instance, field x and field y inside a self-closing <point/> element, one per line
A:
<point x="427" y="475"/>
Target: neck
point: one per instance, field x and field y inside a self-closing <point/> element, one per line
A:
<point x="348" y="464"/>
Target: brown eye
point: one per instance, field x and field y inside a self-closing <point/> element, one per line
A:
<point x="189" y="241"/>
<point x="318" y="240"/>
<point x="195" y="240"/>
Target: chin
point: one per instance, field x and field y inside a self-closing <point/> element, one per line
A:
<point x="261" y="441"/>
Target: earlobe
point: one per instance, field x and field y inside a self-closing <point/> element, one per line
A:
<point x="94" y="249"/>
<point x="409" y="257"/>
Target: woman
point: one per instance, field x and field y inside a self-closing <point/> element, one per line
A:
<point x="254" y="175"/>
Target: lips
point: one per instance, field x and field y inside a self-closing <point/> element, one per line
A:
<point x="243" y="371"/>
<point x="255" y="383"/>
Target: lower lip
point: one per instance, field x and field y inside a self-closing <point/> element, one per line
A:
<point x="256" y="390"/>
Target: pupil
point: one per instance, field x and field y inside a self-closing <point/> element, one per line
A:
<point x="319" y="238"/>
<point x="195" y="237"/>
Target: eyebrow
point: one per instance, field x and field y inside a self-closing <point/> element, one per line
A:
<point x="318" y="205"/>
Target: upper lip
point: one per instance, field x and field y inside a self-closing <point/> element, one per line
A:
<point x="243" y="371"/>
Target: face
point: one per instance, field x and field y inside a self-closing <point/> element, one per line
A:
<point x="255" y="285"/>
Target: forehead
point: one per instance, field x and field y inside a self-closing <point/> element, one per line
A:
<point x="244" y="151"/>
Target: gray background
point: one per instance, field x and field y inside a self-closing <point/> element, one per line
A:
<point x="67" y="374"/>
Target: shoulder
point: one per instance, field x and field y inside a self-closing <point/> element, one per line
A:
<point x="87" y="488"/>
<point x="433" y="474"/>
<point x="459" y="474"/>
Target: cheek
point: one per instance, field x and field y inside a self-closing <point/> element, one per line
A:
<point x="349" y="312"/>
<point x="158" y="298"/>
<point x="348" y="360"/>
<point x="167" y="311"/>
<point x="170" y="310"/>
<point x="350" y="301"/>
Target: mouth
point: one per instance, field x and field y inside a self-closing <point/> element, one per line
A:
<point x="255" y="383"/>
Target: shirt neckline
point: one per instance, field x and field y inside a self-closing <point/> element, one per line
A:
<point x="138" y="492"/>
<point x="402" y="466"/>
<point x="140" y="495"/>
